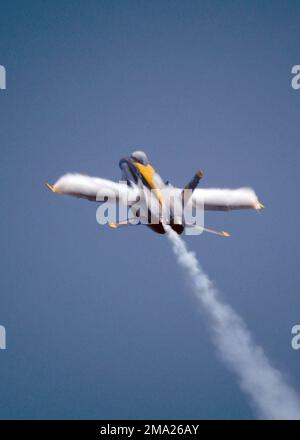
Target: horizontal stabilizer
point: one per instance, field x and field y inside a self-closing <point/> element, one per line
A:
<point x="122" y="223"/>
<point x="210" y="230"/>
<point x="220" y="233"/>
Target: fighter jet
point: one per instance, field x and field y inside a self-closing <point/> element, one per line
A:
<point x="140" y="182"/>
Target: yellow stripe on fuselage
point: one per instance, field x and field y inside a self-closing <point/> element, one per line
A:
<point x="148" y="172"/>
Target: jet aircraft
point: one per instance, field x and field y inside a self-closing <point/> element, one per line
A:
<point x="140" y="181"/>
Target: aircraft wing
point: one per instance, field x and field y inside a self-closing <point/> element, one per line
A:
<point x="94" y="188"/>
<point x="214" y="199"/>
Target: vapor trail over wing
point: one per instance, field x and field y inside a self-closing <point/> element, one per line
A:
<point x="215" y="199"/>
<point x="93" y="188"/>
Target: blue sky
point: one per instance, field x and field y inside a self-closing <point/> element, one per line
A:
<point x="100" y="323"/>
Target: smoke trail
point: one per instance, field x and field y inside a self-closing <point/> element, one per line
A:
<point x="273" y="398"/>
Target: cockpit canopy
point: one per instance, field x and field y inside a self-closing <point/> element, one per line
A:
<point x="140" y="157"/>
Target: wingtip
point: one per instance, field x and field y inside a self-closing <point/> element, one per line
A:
<point x="259" y="206"/>
<point x="50" y="187"/>
<point x="200" y="173"/>
<point x="225" y="234"/>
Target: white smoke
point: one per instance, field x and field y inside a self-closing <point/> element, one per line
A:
<point x="225" y="198"/>
<point x="80" y="185"/>
<point x="272" y="397"/>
